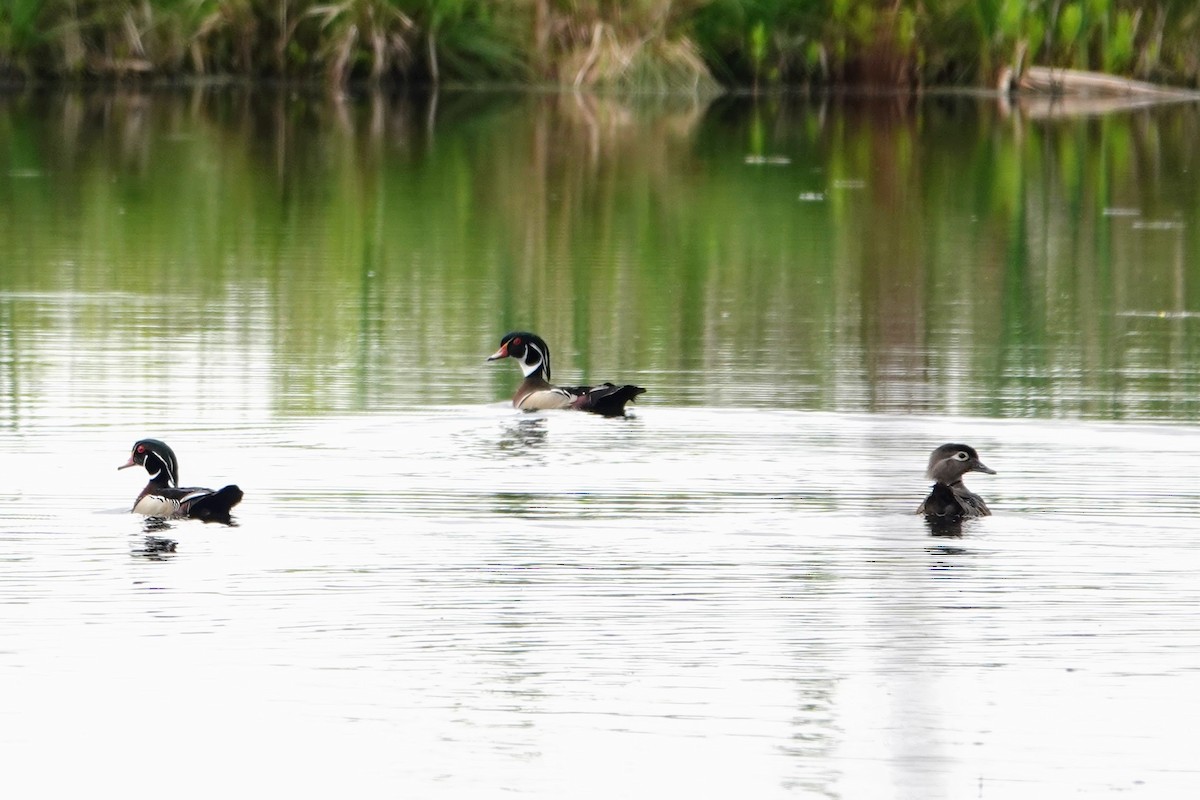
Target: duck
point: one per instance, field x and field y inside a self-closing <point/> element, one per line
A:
<point x="536" y="393"/>
<point x="950" y="500"/>
<point x="163" y="497"/>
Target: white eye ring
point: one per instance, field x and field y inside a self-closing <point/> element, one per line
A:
<point x="961" y="455"/>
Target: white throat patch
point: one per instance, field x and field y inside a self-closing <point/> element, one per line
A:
<point x="163" y="467"/>
<point x="528" y="369"/>
<point x="534" y="361"/>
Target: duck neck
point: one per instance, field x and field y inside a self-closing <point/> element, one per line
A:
<point x="536" y="370"/>
<point x="160" y="472"/>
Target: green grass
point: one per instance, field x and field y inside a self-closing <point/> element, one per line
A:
<point x="640" y="45"/>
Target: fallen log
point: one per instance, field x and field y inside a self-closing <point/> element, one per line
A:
<point x="1062" y="82"/>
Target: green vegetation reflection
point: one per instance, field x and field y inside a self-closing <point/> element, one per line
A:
<point x="935" y="258"/>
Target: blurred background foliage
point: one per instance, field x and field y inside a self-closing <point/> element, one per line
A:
<point x="643" y="45"/>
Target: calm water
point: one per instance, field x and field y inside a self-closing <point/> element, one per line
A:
<point x="724" y="595"/>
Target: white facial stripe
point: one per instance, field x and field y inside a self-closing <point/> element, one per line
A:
<point x="532" y="361"/>
<point x="164" y="467"/>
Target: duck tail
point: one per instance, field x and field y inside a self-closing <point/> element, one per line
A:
<point x="608" y="399"/>
<point x="215" y="507"/>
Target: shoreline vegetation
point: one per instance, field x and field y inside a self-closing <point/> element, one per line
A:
<point x="637" y="45"/>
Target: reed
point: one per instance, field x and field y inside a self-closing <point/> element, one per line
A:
<point x="642" y="45"/>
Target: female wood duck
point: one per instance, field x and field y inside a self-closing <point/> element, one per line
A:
<point x="536" y="393"/>
<point x="950" y="500"/>
<point x="163" y="496"/>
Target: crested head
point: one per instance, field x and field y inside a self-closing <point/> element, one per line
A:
<point x="158" y="459"/>
<point x="948" y="463"/>
<point x="529" y="349"/>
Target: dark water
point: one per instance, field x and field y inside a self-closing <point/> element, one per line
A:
<point x="726" y="594"/>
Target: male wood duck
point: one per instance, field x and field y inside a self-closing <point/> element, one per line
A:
<point x="536" y="393"/>
<point x="950" y="500"/>
<point x="163" y="497"/>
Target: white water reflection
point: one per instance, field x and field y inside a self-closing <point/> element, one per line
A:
<point x="467" y="601"/>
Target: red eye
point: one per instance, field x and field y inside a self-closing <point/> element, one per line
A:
<point x="517" y="340"/>
<point x="141" y="448"/>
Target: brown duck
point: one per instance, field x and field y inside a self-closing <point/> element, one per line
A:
<point x="536" y="393"/>
<point x="950" y="500"/>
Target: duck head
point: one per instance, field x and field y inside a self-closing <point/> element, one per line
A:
<point x="529" y="349"/>
<point x="158" y="459"/>
<point x="950" y="462"/>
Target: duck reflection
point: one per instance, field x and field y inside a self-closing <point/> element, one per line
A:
<point x="156" y="546"/>
<point x="523" y="436"/>
<point x="947" y="557"/>
<point x="942" y="552"/>
<point x="944" y="528"/>
<point x="152" y="526"/>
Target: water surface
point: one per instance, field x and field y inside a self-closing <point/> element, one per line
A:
<point x="725" y="594"/>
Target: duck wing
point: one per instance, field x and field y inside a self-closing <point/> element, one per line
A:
<point x="607" y="399"/>
<point x="544" y="399"/>
<point x="213" y="506"/>
<point x="196" y="502"/>
<point x="953" y="503"/>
